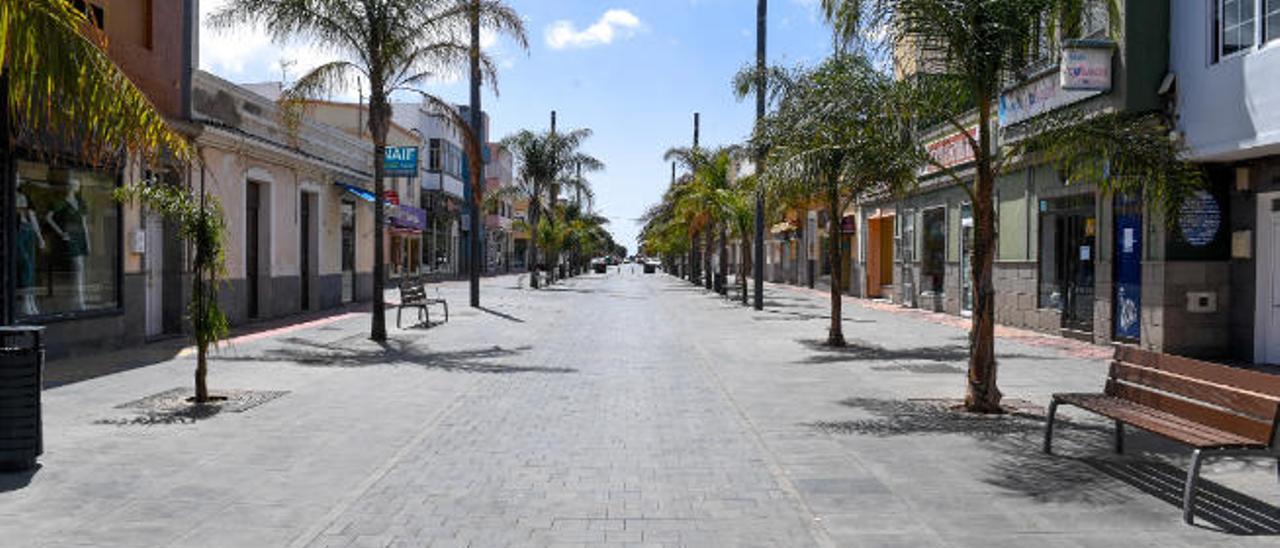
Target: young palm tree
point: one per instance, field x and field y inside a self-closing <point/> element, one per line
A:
<point x="395" y="46"/>
<point x="834" y="137"/>
<point x="968" y="50"/>
<point x="547" y="163"/>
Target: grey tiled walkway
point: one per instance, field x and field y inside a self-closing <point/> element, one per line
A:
<point x="617" y="410"/>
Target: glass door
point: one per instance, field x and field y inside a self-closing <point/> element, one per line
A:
<point x="966" y="259"/>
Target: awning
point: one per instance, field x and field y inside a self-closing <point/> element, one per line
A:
<point x="363" y="194"/>
<point x="784" y="226"/>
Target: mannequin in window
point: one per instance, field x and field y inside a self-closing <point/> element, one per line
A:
<point x="67" y="220"/>
<point x="29" y="240"/>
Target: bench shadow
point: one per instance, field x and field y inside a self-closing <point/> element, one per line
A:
<point x="351" y="355"/>
<point x="15" y="480"/>
<point x="1097" y="479"/>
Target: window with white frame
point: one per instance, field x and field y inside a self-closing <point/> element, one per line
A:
<point x="1235" y="23"/>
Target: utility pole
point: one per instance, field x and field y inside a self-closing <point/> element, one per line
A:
<point x="757" y="267"/>
<point x="477" y="164"/>
<point x="707" y="274"/>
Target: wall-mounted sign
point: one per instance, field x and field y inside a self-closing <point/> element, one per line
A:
<point x="1201" y="219"/>
<point x="392" y="197"/>
<point x="950" y="151"/>
<point x="1037" y="97"/>
<point x="400" y="161"/>
<point x="1086" y="65"/>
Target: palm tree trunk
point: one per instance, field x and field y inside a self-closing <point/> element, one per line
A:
<point x="706" y="258"/>
<point x="742" y="267"/>
<point x="983" y="395"/>
<point x="202" y="372"/>
<point x="724" y="260"/>
<point x="835" y="335"/>
<point x="378" y="130"/>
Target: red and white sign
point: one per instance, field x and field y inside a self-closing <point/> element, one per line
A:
<point x="392" y="197"/>
<point x="1086" y="66"/>
<point x="950" y="151"/>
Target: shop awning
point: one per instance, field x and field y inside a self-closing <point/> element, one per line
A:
<point x="363" y="194"/>
<point x="784" y="226"/>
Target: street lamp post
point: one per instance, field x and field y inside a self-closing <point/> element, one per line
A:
<point x="762" y="12"/>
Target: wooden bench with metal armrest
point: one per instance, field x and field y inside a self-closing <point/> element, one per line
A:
<point x="1219" y="411"/>
<point x="413" y="294"/>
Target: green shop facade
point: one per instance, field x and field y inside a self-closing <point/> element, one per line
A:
<point x="1070" y="260"/>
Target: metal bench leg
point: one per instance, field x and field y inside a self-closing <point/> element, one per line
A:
<point x="1189" y="495"/>
<point x="1048" y="427"/>
<point x="1119" y="437"/>
<point x="399" y="311"/>
<point x="446" y="312"/>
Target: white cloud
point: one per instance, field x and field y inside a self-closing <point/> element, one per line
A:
<point x="614" y="24"/>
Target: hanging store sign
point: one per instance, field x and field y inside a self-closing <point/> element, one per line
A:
<point x="400" y="161"/>
<point x="405" y="217"/>
<point x="1086" y="65"/>
<point x="950" y="151"/>
<point x="848" y="224"/>
<point x="1037" y="97"/>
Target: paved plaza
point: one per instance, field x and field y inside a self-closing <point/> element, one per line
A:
<point x="610" y="410"/>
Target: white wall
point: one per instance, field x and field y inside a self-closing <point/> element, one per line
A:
<point x="1229" y="110"/>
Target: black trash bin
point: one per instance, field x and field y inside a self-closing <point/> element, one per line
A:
<point x="21" y="378"/>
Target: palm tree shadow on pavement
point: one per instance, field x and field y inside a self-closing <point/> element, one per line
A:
<point x="857" y="351"/>
<point x="1096" y="479"/>
<point x="349" y="353"/>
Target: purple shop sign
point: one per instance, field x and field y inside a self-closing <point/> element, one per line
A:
<point x="407" y="217"/>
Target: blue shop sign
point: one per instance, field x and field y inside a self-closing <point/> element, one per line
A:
<point x="400" y="161"/>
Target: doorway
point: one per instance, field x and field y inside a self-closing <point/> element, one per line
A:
<point x="1068" y="232"/>
<point x="966" y="259"/>
<point x="153" y="265"/>
<point x="1267" y="324"/>
<point x="879" y="256"/>
<point x="348" y="251"/>
<point x="252" y="244"/>
<point x="304" y="250"/>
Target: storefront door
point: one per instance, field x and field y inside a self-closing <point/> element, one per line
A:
<point x="348" y="252"/>
<point x="252" y="241"/>
<point x="1068" y="230"/>
<point x="304" y="252"/>
<point x="1127" y="301"/>
<point x="966" y="259"/>
<point x="153" y="259"/>
<point x="1267" y="325"/>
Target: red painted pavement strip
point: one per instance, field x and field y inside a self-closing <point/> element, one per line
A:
<point x="267" y="333"/>
<point x="1071" y="347"/>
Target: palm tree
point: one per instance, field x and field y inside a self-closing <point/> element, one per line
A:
<point x="969" y="50"/>
<point x="548" y="162"/>
<point x="99" y="113"/>
<point x="706" y="194"/>
<point x="834" y="137"/>
<point x="395" y="46"/>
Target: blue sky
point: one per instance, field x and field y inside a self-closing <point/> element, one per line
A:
<point x="632" y="71"/>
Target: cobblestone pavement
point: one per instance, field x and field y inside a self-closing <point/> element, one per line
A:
<point x="614" y="410"/>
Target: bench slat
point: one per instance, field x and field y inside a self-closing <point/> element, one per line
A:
<point x="1253" y="381"/>
<point x="1159" y="422"/>
<point x="1226" y="397"/>
<point x="1212" y="419"/>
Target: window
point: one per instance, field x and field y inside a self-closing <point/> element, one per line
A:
<point x="93" y="11"/>
<point x="433" y="155"/>
<point x="68" y="241"/>
<point x="1235" y="26"/>
<point x="1270" y="20"/>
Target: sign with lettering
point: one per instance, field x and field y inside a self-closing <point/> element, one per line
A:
<point x="1086" y="65"/>
<point x="400" y="161"/>
<point x="1037" y="97"/>
<point x="950" y="151"/>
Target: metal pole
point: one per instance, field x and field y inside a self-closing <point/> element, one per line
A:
<point x="762" y="16"/>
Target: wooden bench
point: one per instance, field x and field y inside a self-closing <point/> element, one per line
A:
<point x="413" y="294"/>
<point x="1218" y="410"/>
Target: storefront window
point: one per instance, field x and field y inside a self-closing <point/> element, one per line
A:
<point x="935" y="249"/>
<point x="68" y="241"/>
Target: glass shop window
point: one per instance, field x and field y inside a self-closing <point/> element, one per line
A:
<point x="68" y="241"/>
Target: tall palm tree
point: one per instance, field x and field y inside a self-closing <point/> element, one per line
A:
<point x="969" y="49"/>
<point x="835" y="136"/>
<point x="547" y="162"/>
<point x="706" y="194"/>
<point x="394" y="45"/>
